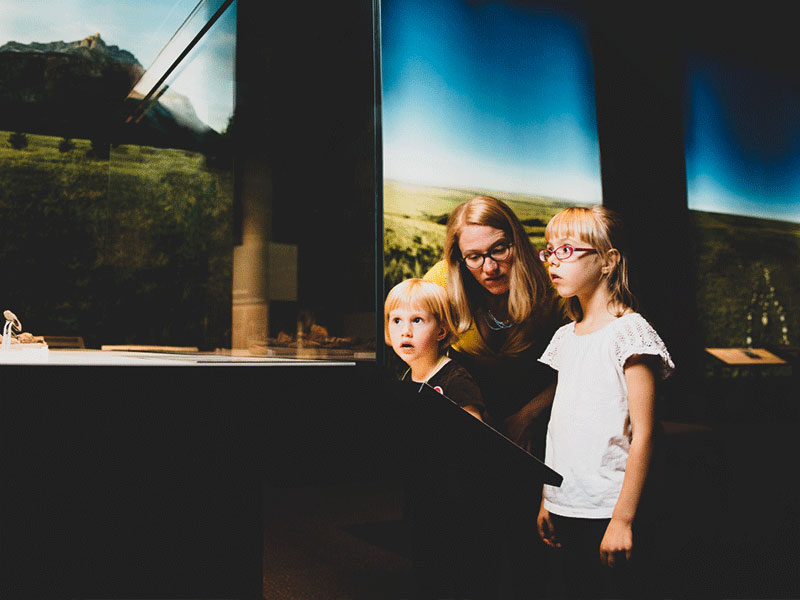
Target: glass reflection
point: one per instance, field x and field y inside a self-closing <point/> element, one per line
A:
<point x="168" y="243"/>
<point x="132" y="219"/>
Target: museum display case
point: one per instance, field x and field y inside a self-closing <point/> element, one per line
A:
<point x="173" y="203"/>
<point x="190" y="252"/>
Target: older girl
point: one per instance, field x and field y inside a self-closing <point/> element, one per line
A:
<point x="600" y="435"/>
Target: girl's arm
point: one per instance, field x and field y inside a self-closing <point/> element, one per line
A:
<point x="517" y="424"/>
<point x="641" y="382"/>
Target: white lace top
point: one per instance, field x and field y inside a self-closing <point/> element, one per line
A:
<point x="589" y="434"/>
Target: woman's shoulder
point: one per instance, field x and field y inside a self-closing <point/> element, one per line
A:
<point x="437" y="274"/>
<point x="471" y="342"/>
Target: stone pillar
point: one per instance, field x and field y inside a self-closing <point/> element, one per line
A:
<point x="250" y="312"/>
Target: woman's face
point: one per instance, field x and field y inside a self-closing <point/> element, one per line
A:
<point x="493" y="275"/>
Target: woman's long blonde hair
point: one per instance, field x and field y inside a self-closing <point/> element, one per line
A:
<point x="602" y="229"/>
<point x="529" y="287"/>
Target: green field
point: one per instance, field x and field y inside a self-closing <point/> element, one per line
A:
<point x="89" y="245"/>
<point x="135" y="248"/>
<point x="748" y="289"/>
<point x="743" y="266"/>
<point x="415" y="217"/>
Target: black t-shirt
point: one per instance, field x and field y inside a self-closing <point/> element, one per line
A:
<point x="456" y="383"/>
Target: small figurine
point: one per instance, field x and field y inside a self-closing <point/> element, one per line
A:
<point x="12" y="322"/>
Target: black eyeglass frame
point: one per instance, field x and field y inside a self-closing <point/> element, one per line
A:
<point x="484" y="255"/>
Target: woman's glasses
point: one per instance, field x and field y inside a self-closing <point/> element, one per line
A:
<point x="562" y="252"/>
<point x="499" y="253"/>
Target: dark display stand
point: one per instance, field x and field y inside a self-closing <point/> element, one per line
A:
<point x="443" y="430"/>
<point x="146" y="482"/>
<point x="472" y="496"/>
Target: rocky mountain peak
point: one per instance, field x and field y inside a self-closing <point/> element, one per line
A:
<point x="93" y="45"/>
<point x="81" y="89"/>
<point x="92" y="42"/>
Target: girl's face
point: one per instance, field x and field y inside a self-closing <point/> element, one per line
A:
<point x="415" y="334"/>
<point x="580" y="274"/>
<point x="493" y="275"/>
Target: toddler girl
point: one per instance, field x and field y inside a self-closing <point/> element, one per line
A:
<point x="419" y="328"/>
<point x="441" y="511"/>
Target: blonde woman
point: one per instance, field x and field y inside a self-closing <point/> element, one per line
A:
<point x="505" y="313"/>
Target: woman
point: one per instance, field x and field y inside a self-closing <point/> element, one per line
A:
<point x="506" y="311"/>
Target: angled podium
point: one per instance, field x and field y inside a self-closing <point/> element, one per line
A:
<point x="471" y="500"/>
<point x="442" y="431"/>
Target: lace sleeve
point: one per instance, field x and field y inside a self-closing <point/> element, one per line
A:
<point x="637" y="336"/>
<point x="551" y="355"/>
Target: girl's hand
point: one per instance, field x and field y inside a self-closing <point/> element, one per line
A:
<point x="518" y="425"/>
<point x="617" y="540"/>
<point x="546" y="530"/>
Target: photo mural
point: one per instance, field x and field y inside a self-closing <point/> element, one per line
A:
<point x="116" y="191"/>
<point x="481" y="98"/>
<point x="742" y="144"/>
<point x="497" y="98"/>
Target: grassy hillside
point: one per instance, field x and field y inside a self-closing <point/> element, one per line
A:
<point x="415" y="218"/>
<point x="747" y="284"/>
<point x="748" y="289"/>
<point x="89" y="246"/>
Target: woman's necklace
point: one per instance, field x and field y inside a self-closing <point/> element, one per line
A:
<point x="495" y="324"/>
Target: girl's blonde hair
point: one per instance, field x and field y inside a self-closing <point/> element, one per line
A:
<point x="416" y="294"/>
<point x="529" y="286"/>
<point x="602" y="229"/>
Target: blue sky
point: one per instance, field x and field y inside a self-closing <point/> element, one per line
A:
<point x="488" y="95"/>
<point x="742" y="142"/>
<point x="142" y="27"/>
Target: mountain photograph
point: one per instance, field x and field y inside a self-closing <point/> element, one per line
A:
<point x="83" y="89"/>
<point x="109" y="187"/>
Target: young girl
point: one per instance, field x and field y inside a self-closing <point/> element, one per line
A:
<point x="419" y="328"/>
<point x="442" y="513"/>
<point x="600" y="434"/>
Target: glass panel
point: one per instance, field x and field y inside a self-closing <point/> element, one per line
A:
<point x="125" y="226"/>
<point x="168" y="238"/>
<point x="481" y="98"/>
<point x="509" y="112"/>
<point x="742" y="165"/>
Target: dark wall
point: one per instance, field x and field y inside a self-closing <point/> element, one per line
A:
<point x="639" y="92"/>
<point x="306" y="107"/>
